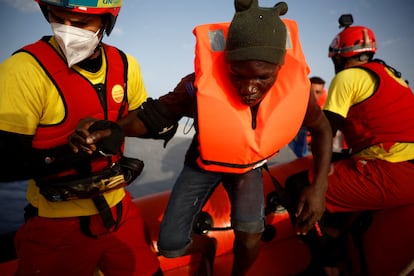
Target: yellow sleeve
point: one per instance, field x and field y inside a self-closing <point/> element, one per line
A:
<point x="28" y="97"/>
<point x="137" y="92"/>
<point x="348" y="88"/>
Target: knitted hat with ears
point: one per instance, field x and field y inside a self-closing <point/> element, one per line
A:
<point x="257" y="33"/>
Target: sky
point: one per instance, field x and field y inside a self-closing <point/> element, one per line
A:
<point x="158" y="33"/>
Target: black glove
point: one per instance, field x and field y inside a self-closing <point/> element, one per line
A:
<point x="131" y="167"/>
<point x="160" y="122"/>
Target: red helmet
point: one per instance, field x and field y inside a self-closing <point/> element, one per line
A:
<point x="353" y="40"/>
<point x="103" y="7"/>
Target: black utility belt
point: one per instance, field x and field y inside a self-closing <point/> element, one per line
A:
<point x="74" y="187"/>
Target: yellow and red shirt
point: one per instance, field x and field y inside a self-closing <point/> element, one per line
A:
<point x="30" y="99"/>
<point x="356" y="95"/>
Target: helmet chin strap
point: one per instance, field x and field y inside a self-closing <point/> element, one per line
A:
<point x="339" y="63"/>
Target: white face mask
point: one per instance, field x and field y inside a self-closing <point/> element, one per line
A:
<point x="77" y="44"/>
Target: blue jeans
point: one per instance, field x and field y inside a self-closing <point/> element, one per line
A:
<point x="299" y="145"/>
<point x="12" y="203"/>
<point x="189" y="194"/>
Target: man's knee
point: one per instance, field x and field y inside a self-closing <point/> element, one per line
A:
<point x="172" y="250"/>
<point x="172" y="244"/>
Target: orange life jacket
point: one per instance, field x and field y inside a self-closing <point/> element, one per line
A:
<point x="227" y="141"/>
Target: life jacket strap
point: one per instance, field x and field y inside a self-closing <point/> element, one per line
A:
<point x="106" y="216"/>
<point x="73" y="187"/>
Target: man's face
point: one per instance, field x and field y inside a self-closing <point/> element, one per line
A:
<point x="252" y="79"/>
<point x="88" y="22"/>
<point x="317" y="89"/>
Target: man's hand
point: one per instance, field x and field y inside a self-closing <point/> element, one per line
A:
<point x="82" y="140"/>
<point x="310" y="208"/>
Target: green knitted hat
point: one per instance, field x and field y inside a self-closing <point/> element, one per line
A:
<point x="257" y="33"/>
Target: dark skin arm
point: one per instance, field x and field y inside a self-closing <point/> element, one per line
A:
<point x="82" y="140"/>
<point x="311" y="204"/>
<point x="178" y="102"/>
<point x="132" y="125"/>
